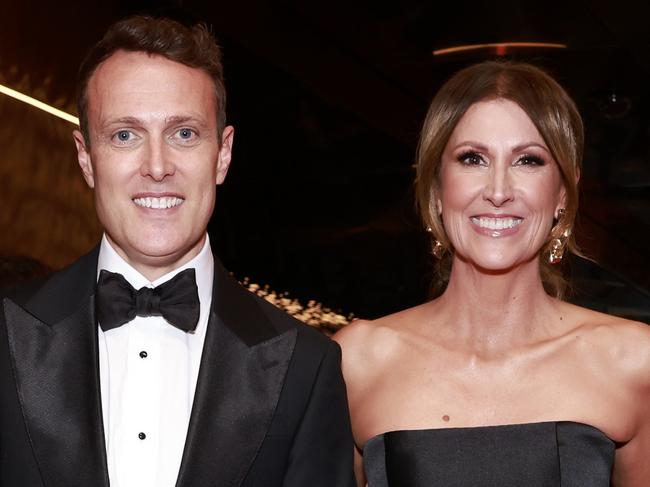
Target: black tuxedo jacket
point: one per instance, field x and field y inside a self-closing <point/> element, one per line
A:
<point x="269" y="410"/>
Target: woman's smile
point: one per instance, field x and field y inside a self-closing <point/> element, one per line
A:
<point x="499" y="186"/>
<point x="496" y="226"/>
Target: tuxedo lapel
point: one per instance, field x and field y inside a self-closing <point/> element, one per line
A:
<point x="57" y="379"/>
<point x="243" y="367"/>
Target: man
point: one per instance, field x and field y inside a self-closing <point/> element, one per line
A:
<point x="144" y="363"/>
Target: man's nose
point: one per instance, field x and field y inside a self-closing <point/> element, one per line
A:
<point x="157" y="160"/>
<point x="498" y="187"/>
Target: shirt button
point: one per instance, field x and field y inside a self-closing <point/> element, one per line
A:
<point x="142" y="436"/>
<point x="143" y="354"/>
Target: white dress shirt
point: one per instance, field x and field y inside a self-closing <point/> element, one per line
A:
<point x="148" y="371"/>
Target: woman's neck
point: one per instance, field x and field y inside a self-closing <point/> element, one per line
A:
<point x="493" y="311"/>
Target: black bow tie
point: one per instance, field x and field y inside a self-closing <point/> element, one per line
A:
<point x="177" y="300"/>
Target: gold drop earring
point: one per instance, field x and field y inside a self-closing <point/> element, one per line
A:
<point x="558" y="244"/>
<point x="438" y="248"/>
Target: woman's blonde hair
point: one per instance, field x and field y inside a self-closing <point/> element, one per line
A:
<point x="550" y="109"/>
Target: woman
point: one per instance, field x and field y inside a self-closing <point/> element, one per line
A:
<point x="498" y="382"/>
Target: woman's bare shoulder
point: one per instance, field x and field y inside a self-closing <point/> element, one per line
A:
<point x="369" y="342"/>
<point x="622" y="344"/>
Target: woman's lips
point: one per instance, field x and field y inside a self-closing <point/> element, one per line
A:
<point x="496" y="226"/>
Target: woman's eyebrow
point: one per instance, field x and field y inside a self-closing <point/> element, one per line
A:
<point x="471" y="143"/>
<point x="526" y="145"/>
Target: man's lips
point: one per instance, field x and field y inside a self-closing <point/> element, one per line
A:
<point x="156" y="202"/>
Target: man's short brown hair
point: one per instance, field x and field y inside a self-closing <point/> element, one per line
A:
<point x="192" y="46"/>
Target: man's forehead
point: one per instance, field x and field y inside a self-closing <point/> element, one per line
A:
<point x="142" y="65"/>
<point x="137" y="81"/>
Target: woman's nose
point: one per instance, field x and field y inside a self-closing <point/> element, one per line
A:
<point x="498" y="187"/>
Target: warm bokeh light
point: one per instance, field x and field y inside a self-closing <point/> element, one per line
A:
<point x="314" y="313"/>
<point x="39" y="104"/>
<point x="500" y="47"/>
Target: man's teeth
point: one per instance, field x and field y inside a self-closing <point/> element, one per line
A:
<point x="496" y="223"/>
<point x="164" y="202"/>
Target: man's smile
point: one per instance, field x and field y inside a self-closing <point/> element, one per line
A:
<point x="154" y="202"/>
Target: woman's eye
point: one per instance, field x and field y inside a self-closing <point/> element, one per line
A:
<point x="529" y="160"/>
<point x="471" y="159"/>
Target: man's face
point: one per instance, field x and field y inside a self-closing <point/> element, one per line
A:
<point x="154" y="159"/>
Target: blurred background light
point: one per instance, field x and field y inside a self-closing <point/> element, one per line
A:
<point x="38" y="104"/>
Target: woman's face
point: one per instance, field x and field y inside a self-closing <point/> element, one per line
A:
<point x="500" y="188"/>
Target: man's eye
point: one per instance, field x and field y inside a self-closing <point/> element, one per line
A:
<point x="185" y="134"/>
<point x="123" y="136"/>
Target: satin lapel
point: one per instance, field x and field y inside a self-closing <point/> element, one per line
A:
<point x="243" y="367"/>
<point x="57" y="378"/>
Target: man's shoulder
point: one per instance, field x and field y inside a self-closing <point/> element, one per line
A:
<point x="58" y="291"/>
<point x="283" y="322"/>
<point x="255" y="319"/>
<point x="21" y="292"/>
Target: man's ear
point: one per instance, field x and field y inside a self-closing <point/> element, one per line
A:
<point x="225" y="153"/>
<point x="83" y="156"/>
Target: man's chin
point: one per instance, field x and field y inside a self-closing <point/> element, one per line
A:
<point x="156" y="253"/>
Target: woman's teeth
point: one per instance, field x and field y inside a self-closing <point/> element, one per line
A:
<point x="496" y="223"/>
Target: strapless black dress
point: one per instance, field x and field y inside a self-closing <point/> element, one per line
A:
<point x="552" y="454"/>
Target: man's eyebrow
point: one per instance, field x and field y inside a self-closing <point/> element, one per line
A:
<point x="179" y="119"/>
<point x="168" y="120"/>
<point x="123" y="121"/>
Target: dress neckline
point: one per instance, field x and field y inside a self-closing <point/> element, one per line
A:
<point x="380" y="436"/>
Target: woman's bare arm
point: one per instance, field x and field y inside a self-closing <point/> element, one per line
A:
<point x="632" y="464"/>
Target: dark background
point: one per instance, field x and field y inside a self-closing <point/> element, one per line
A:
<point x="327" y="98"/>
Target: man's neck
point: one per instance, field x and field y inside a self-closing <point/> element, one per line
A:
<point x="154" y="267"/>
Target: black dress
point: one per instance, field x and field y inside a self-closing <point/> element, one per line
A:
<point x="551" y="454"/>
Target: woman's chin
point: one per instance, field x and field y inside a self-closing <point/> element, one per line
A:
<point x="497" y="263"/>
